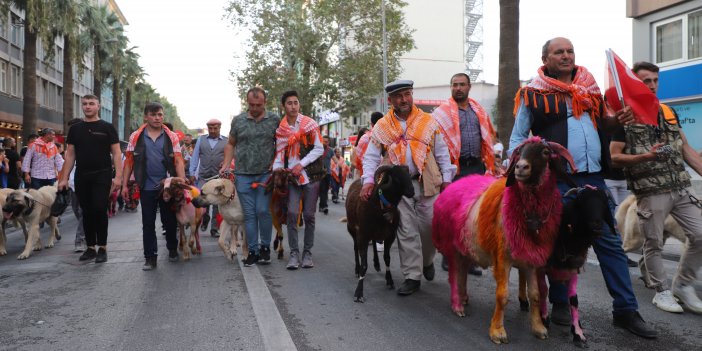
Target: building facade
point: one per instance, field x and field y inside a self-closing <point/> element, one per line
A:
<point x="669" y="34"/>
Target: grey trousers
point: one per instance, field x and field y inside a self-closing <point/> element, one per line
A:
<point x="618" y="189"/>
<point x="309" y="194"/>
<point x="652" y="211"/>
<point x="80" y="234"/>
<point x="414" y="233"/>
<point x="215" y="209"/>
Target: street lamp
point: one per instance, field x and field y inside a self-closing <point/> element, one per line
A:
<point x="385" y="57"/>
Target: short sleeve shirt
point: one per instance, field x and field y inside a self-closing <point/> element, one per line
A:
<point x="255" y="143"/>
<point x="92" y="142"/>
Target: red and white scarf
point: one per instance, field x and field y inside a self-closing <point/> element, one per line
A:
<point x="129" y="152"/>
<point x="288" y="141"/>
<point x="47" y="148"/>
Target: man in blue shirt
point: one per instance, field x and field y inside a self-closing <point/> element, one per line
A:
<point x="563" y="104"/>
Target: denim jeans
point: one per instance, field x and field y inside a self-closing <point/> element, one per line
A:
<point x="38" y="183"/>
<point x="255" y="204"/>
<point x="610" y="254"/>
<point x="308" y="193"/>
<point x="149" y="201"/>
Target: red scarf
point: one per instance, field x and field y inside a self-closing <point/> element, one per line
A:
<point x="129" y="153"/>
<point x="289" y="141"/>
<point x="47" y="148"/>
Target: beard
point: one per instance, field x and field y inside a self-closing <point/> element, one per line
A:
<point x="459" y="98"/>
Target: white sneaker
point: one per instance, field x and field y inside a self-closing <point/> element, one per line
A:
<point x="379" y="247"/>
<point x="665" y="301"/>
<point x="688" y="296"/>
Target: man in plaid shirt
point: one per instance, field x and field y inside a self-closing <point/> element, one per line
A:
<point x="43" y="161"/>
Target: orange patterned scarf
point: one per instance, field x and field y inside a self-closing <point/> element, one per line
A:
<point x="289" y="140"/>
<point x="49" y="149"/>
<point x="361" y="150"/>
<point x="421" y="129"/>
<point x="129" y="152"/>
<point x="447" y="117"/>
<point x="583" y="91"/>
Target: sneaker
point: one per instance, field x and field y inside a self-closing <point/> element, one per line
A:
<point x="101" y="255"/>
<point x="251" y="260"/>
<point x="307" y="260"/>
<point x="408" y="287"/>
<point x="205" y="222"/>
<point x="149" y="264"/>
<point x="89" y="254"/>
<point x="214" y="232"/>
<point x="294" y="261"/>
<point x="79" y="247"/>
<point x="172" y="255"/>
<point x="687" y="295"/>
<point x="665" y="301"/>
<point x="265" y="257"/>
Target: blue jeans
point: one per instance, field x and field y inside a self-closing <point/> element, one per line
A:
<point x="255" y="204"/>
<point x="149" y="201"/>
<point x="38" y="183"/>
<point x="610" y="254"/>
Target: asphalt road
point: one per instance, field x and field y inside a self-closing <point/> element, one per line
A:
<point x="54" y="302"/>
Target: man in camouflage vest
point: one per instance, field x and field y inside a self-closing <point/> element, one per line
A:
<point x="654" y="159"/>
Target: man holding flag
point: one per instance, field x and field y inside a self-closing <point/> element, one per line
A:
<point x="563" y="104"/>
<point x="653" y="156"/>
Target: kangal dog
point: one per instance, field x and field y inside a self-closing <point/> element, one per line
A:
<point x="221" y="192"/>
<point x="17" y="223"/>
<point x="32" y="207"/>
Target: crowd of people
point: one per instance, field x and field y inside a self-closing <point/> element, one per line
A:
<point x="562" y="104"/>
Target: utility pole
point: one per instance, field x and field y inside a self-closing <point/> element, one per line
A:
<point x="385" y="58"/>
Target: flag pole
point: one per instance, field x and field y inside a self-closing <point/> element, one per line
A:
<point x="615" y="75"/>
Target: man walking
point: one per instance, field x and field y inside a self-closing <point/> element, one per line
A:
<point x="205" y="162"/>
<point x="42" y="162"/>
<point x="409" y="136"/>
<point x="13" y="176"/>
<point x="469" y="134"/>
<point x="563" y="104"/>
<point x="324" y="184"/>
<point x="654" y="158"/>
<point x="252" y="144"/>
<point x="93" y="145"/>
<point x="299" y="148"/>
<point x="153" y="153"/>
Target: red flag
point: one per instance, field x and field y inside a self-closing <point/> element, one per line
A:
<point x="644" y="104"/>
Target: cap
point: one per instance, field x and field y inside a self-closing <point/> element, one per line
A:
<point x="46" y="131"/>
<point x="213" y="122"/>
<point x="400" y="84"/>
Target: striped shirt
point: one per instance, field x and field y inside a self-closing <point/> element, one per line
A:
<point x="39" y="166"/>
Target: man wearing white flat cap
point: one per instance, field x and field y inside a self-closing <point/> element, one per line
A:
<point x="205" y="163"/>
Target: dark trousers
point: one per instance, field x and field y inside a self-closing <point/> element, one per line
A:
<point x="324" y="191"/>
<point x="93" y="193"/>
<point x="38" y="183"/>
<point x="149" y="201"/>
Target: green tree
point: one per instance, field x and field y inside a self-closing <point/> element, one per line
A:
<point x="329" y="51"/>
<point x="508" y="68"/>
<point x="102" y="28"/>
<point x="143" y="93"/>
<point x="132" y="74"/>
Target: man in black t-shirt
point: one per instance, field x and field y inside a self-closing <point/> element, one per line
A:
<point x="94" y="146"/>
<point x="13" y="177"/>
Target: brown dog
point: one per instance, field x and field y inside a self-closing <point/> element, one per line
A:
<point x="278" y="187"/>
<point x="179" y="195"/>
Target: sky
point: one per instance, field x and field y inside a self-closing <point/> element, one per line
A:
<point x="188" y="49"/>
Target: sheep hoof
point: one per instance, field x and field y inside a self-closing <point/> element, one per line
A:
<point x="376" y="266"/>
<point x="580" y="342"/>
<point x="546" y="321"/>
<point x="359" y="299"/>
<point x="280" y="255"/>
<point x="524" y="305"/>
<point x="499" y="336"/>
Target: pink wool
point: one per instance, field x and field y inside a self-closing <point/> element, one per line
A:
<point x="543" y="200"/>
<point x="451" y="208"/>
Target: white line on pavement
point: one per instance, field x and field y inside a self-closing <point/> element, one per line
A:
<point x="273" y="330"/>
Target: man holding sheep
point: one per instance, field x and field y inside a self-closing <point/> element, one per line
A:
<point x="408" y="136"/>
<point x="563" y="104"/>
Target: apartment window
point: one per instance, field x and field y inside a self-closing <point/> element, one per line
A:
<point x="59" y="98"/>
<point x="4" y="76"/>
<point x="16" y="31"/>
<point x="44" y="92"/>
<point x="15" y="80"/>
<point x="3" y="25"/>
<point x="678" y="39"/>
<point x="58" y="59"/>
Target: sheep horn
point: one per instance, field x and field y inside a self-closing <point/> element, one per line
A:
<point x="572" y="191"/>
<point x="559" y="149"/>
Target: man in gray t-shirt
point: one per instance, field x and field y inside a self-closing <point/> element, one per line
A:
<point x="252" y="146"/>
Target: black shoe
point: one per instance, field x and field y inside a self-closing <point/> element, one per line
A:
<point x="475" y="270"/>
<point x="214" y="232"/>
<point x="326" y="211"/>
<point x="444" y="263"/>
<point x="265" y="257"/>
<point x="408" y="287"/>
<point x="429" y="272"/>
<point x="632" y="321"/>
<point x="560" y="313"/>
<point x="631" y="263"/>
<point x="251" y="260"/>
<point x="205" y="222"/>
<point x="149" y="264"/>
<point x="101" y="256"/>
<point x="173" y="255"/>
<point x="89" y="254"/>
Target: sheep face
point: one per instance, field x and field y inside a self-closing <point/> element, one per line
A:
<point x="394" y="182"/>
<point x="532" y="161"/>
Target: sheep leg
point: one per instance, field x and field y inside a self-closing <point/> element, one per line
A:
<point x="543" y="297"/>
<point x="523" y="299"/>
<point x="356" y="254"/>
<point x="458" y="272"/>
<point x="279" y="239"/>
<point x="575" y="327"/>
<point x="386" y="257"/>
<point x="376" y="261"/>
<point x="501" y="271"/>
<point x="363" y="251"/>
<point x="533" y="287"/>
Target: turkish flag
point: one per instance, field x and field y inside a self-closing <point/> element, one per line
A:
<point x="644" y="104"/>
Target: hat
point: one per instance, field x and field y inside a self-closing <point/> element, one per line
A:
<point x="400" y="84"/>
<point x="213" y="122"/>
<point x="46" y="131"/>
